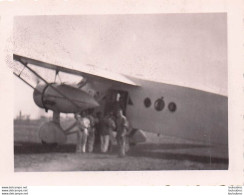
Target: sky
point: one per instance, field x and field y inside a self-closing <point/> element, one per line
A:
<point x="182" y="49"/>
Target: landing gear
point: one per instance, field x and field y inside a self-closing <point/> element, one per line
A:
<point x="49" y="144"/>
<point x="50" y="147"/>
<point x="132" y="144"/>
<point x="44" y="143"/>
<point x="51" y="132"/>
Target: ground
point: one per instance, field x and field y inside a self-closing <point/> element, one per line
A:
<point x="158" y="153"/>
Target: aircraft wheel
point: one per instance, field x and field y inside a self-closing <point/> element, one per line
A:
<point x="132" y="144"/>
<point x="43" y="142"/>
<point x="51" y="133"/>
<point x="49" y="146"/>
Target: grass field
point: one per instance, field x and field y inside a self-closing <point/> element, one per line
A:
<point x="158" y="153"/>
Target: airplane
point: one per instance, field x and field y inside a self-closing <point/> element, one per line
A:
<point x="160" y="108"/>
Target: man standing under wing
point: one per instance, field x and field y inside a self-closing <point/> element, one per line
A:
<point x="91" y="132"/>
<point x="83" y="123"/>
<point x="122" y="127"/>
<point x="104" y="134"/>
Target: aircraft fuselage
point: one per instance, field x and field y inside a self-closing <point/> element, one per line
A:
<point x="178" y="111"/>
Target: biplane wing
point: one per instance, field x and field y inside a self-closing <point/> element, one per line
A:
<point x="91" y="74"/>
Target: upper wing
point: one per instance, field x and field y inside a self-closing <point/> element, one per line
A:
<point x="93" y="74"/>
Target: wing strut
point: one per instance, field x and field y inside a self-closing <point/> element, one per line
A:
<point x="23" y="80"/>
<point x="55" y="89"/>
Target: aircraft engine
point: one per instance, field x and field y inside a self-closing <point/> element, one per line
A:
<point x="46" y="97"/>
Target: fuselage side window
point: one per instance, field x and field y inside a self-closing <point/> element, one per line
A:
<point x="172" y="107"/>
<point x="147" y="102"/>
<point x="159" y="104"/>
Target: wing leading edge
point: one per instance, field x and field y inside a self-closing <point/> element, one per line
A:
<point x="93" y="74"/>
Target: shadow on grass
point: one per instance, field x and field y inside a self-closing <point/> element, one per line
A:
<point x="147" y="151"/>
<point x="38" y="148"/>
<point x="180" y="157"/>
<point x="143" y="150"/>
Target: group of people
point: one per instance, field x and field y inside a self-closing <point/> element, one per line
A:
<point x="99" y="131"/>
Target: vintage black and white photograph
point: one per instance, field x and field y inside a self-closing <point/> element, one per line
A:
<point x="120" y="92"/>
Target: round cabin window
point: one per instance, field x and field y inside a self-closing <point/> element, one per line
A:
<point x="159" y="104"/>
<point x="172" y="107"/>
<point x="147" y="102"/>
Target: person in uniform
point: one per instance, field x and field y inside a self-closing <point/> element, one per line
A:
<point x="112" y="128"/>
<point x="104" y="133"/>
<point x="97" y="142"/>
<point x="91" y="132"/>
<point x="122" y="128"/>
<point x="83" y="124"/>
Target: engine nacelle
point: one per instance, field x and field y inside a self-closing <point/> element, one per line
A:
<point x="46" y="97"/>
